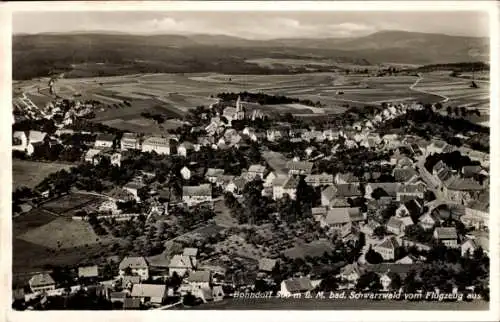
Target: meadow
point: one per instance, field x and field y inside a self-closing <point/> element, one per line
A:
<point x="30" y="173"/>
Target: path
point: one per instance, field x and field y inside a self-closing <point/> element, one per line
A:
<point x="412" y="87"/>
<point x="166" y="307"/>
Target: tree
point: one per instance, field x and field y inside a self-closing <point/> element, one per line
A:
<point x="380" y="231"/>
<point x="369" y="281"/>
<point x="373" y="257"/>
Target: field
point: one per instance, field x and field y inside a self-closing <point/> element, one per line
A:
<point x="62" y="233"/>
<point x="174" y="94"/>
<point x="29" y="174"/>
<point x="313" y="249"/>
<point x="42" y="237"/>
<point x="457" y="92"/>
<point x="65" y="204"/>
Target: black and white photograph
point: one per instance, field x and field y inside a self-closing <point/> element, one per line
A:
<point x="251" y="159"/>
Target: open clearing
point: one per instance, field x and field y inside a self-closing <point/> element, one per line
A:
<point x="63" y="233"/>
<point x="179" y="92"/>
<point x="30" y="173"/>
<point x="70" y="202"/>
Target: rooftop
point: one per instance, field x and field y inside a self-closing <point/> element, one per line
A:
<point x="340" y="215"/>
<point x="446" y="233"/>
<point x="199" y="277"/>
<point x="133" y="262"/>
<point x="201" y="190"/>
<point x="296" y="285"/>
<point x="148" y="290"/>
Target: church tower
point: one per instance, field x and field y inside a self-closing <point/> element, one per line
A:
<point x="240" y="113"/>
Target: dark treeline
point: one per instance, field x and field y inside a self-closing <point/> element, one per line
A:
<point x="458" y="67"/>
<point x="265" y="99"/>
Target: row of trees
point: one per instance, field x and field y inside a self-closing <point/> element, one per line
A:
<point x="265" y="99"/>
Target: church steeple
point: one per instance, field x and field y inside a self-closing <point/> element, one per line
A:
<point x="238" y="104"/>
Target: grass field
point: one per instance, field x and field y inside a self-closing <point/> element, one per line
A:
<point x="173" y="94"/>
<point x="29" y="173"/>
<point x="63" y="233"/>
<point x="70" y="202"/>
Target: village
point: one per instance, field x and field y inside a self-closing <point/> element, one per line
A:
<point x="239" y="202"/>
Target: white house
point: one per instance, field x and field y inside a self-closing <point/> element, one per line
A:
<point x="339" y="220"/>
<point x="104" y="140"/>
<point x="256" y="170"/>
<point x="137" y="266"/>
<point x="387" y="248"/>
<point x="42" y="283"/>
<point x="285" y="185"/>
<point x="184" y="148"/>
<point x="152" y="293"/>
<point x="193" y="195"/>
<point x="181" y="264"/>
<point x="116" y="159"/>
<point x="200" y="279"/>
<point x="447" y="235"/>
<point x="295" y="286"/>
<point x="129" y="141"/>
<point x="159" y="145"/>
<point x="185" y="173"/>
<point x="213" y="174"/>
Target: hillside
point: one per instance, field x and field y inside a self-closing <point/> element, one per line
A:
<point x="99" y="54"/>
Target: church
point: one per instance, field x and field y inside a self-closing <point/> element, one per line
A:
<point x="234" y="113"/>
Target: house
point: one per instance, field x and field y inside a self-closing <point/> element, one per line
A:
<point x="446" y="235"/>
<point x="184" y="148"/>
<point x="223" y="181"/>
<point x="477" y="213"/>
<point x="299" y="167"/>
<point x="116" y="159"/>
<point x="468" y="247"/>
<point x="160" y="145"/>
<point x="339" y="191"/>
<point x="130" y="141"/>
<point x="135" y="187"/>
<point x="469" y="171"/>
<point x="256" y="170"/>
<point x="267" y="265"/>
<point x="318" y="212"/>
<point x="462" y="190"/>
<point x="317" y="180"/>
<point x="185" y="173"/>
<point x="295" y="286"/>
<point x="150" y="293"/>
<point x="104" y="140"/>
<point x="390" y="188"/>
<point x="41" y="283"/>
<point x="369" y="227"/>
<point x="130" y="280"/>
<point x="387" y="248"/>
<point x="88" y="271"/>
<point x="274" y="135"/>
<point x="91" y="156"/>
<point x="285" y="185"/>
<point x="19" y="141"/>
<point x="408" y="260"/>
<point x="268" y="180"/>
<point x="181" y="264"/>
<point x="412" y="208"/>
<point x="404" y="175"/>
<point x="216" y="126"/>
<point x="350" y="274"/>
<point x="406" y="192"/>
<point x="134" y="265"/>
<point x="213" y="174"/>
<point x="339" y="220"/>
<point x="436" y="146"/>
<point x="193" y="195"/>
<point x="397" y="225"/>
<point x="217" y="293"/>
<point x="200" y="279"/>
<point x="429" y="219"/>
<point x="236" y="185"/>
<point x="342" y="178"/>
<point x="388" y="271"/>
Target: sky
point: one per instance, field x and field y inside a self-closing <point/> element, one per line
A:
<point x="255" y="25"/>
